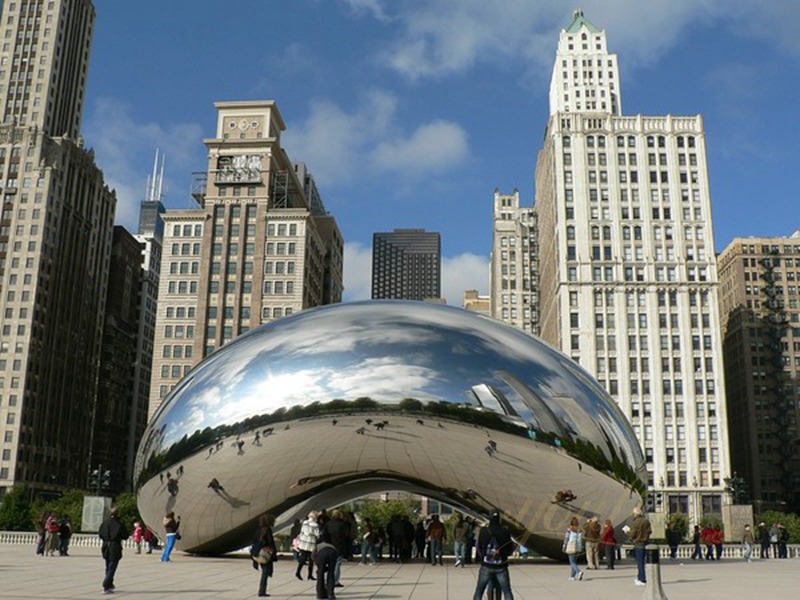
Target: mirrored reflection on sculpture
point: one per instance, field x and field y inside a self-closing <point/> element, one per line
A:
<point x="338" y="402"/>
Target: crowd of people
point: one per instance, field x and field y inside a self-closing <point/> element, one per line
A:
<point x="325" y="541"/>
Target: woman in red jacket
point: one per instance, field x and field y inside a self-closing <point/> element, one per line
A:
<point x="718" y="537"/>
<point x="609" y="543"/>
<point x="708" y="541"/>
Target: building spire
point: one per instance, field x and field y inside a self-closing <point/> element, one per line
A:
<point x="579" y="20"/>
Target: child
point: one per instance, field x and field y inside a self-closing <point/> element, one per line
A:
<point x="138" y="536"/>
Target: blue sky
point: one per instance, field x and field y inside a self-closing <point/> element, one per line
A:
<point x="411" y="112"/>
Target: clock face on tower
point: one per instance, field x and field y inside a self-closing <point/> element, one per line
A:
<point x="243" y="124"/>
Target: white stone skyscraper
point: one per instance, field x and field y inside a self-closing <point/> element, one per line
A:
<point x="514" y="268"/>
<point x="628" y="270"/>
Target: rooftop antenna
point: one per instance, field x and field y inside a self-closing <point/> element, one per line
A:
<point x="155" y="182"/>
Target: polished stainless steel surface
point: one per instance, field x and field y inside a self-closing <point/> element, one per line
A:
<point x="334" y="403"/>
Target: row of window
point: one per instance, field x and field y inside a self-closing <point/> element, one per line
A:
<point x="630" y="141"/>
<point x="177" y="351"/>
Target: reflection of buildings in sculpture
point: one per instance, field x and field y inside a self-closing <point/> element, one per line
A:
<point x="57" y="220"/>
<point x="431" y="431"/>
<point x="490" y="397"/>
<point x="631" y="293"/>
<point x="255" y="250"/>
<point x="546" y="419"/>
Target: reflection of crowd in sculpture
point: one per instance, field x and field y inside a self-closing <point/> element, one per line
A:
<point x="564" y="496"/>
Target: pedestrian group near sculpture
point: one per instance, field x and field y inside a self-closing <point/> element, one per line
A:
<point x="322" y="542"/>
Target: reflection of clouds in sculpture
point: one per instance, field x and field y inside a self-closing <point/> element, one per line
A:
<point x="441" y="376"/>
<point x="390" y="378"/>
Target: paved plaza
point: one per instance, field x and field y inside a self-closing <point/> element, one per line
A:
<point x="144" y="577"/>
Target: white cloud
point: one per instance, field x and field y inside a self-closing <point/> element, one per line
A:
<point x="122" y="145"/>
<point x="341" y="145"/>
<point x="464" y="272"/>
<point x="373" y="8"/>
<point x="444" y="37"/>
<point x="433" y="146"/>
<point x="357" y="272"/>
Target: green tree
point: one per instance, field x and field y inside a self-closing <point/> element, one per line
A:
<point x="381" y="512"/>
<point x="790" y="520"/>
<point x="678" y="522"/>
<point x="128" y="510"/>
<point x="70" y="504"/>
<point x="15" y="511"/>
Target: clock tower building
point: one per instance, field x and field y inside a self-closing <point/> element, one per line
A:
<point x="259" y="246"/>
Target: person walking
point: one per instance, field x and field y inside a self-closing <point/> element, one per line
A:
<point x="150" y="539"/>
<point x="639" y="534"/>
<point x="326" y="557"/>
<point x="460" y="532"/>
<point x="747" y="541"/>
<point x="336" y="531"/>
<point x="309" y="535"/>
<point x="138" y="536"/>
<point x="697" y="553"/>
<point x="783" y="541"/>
<point x="113" y="533"/>
<point x="572" y="547"/>
<point x="773" y="539"/>
<point x="263" y="551"/>
<point x="437" y="535"/>
<point x="763" y="539"/>
<point x="591" y="536"/>
<point x="494" y="547"/>
<point x="708" y="541"/>
<point x="367" y="546"/>
<point x="64" y="535"/>
<point x="171" y="526"/>
<point x="609" y="541"/>
<point x="718" y="538"/>
<point x="51" y="535"/>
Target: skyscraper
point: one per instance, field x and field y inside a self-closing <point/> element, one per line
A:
<point x="628" y="270"/>
<point x="514" y="265"/>
<point x="760" y="306"/>
<point x="260" y="245"/>
<point x="55" y="244"/>
<point x="407" y="265"/>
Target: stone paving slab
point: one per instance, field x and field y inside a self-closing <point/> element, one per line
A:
<point x="25" y="576"/>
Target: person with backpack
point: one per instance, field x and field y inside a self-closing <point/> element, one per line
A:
<point x="573" y="547"/>
<point x="494" y="546"/>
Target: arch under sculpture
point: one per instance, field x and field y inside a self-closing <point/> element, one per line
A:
<point x="335" y="403"/>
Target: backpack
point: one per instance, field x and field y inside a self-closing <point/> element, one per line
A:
<point x="493" y="555"/>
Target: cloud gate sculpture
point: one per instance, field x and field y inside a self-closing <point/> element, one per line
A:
<point x="335" y="403"/>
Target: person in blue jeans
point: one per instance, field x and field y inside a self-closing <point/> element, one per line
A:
<point x="494" y="546"/>
<point x="113" y="533"/>
<point x="639" y="533"/>
<point x="171" y="526"/>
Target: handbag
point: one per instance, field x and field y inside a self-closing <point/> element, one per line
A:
<point x="264" y="555"/>
<point x="572" y="547"/>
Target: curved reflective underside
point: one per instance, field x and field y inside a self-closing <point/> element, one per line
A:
<point x="334" y="403"/>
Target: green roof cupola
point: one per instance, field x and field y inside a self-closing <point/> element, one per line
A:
<point x="578" y="21"/>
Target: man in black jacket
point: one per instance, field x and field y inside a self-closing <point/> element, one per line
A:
<point x="337" y="533"/>
<point x="494" y="547"/>
<point x="112" y="532"/>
